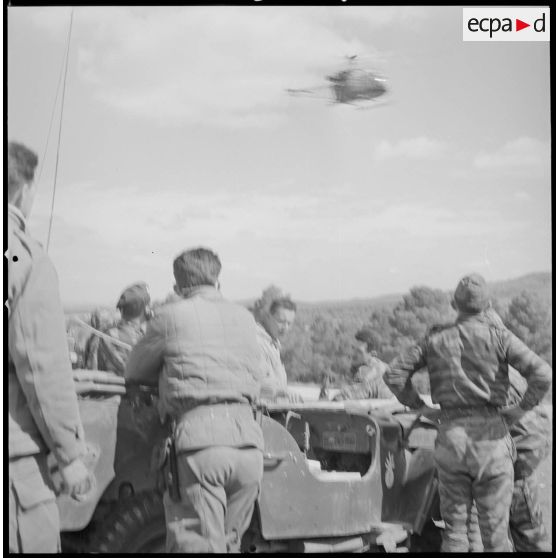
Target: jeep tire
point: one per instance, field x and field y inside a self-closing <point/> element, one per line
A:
<point x="136" y="525"/>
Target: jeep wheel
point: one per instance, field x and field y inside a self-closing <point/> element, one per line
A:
<point x="137" y="525"/>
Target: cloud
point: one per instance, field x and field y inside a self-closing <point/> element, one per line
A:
<point x="280" y="236"/>
<point x="521" y="152"/>
<point x="220" y="65"/>
<point x="137" y="239"/>
<point x="409" y="16"/>
<point x="522" y="196"/>
<point x="54" y="20"/>
<point x="217" y="65"/>
<point x="420" y="148"/>
<point x="164" y="222"/>
<point x="431" y="221"/>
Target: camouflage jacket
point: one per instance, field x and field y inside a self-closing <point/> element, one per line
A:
<point x="467" y="364"/>
<point x="113" y="357"/>
<point x="369" y="383"/>
<point x="42" y="403"/>
<point x="532" y="434"/>
<point x="91" y="356"/>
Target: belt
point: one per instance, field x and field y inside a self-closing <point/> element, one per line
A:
<point x="479" y="410"/>
<point x="205" y="409"/>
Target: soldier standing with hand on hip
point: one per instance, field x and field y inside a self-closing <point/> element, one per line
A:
<point x="467" y="363"/>
<point x="43" y="410"/>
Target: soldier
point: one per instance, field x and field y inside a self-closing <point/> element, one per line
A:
<point x="43" y="410"/>
<point x="327" y="380"/>
<point x="272" y="327"/>
<point x="531" y="436"/>
<point x="204" y="353"/>
<point x="367" y="370"/>
<point x="133" y="305"/>
<point x="101" y="320"/>
<point x="75" y="345"/>
<point x="467" y="363"/>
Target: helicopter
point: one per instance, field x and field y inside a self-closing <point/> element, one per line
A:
<point x="351" y="85"/>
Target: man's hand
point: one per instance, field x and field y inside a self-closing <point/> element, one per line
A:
<point x="512" y="414"/>
<point x="77" y="480"/>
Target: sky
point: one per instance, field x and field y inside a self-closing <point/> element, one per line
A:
<point x="178" y="132"/>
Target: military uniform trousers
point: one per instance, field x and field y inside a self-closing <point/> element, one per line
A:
<point x="34" y="524"/>
<point x="527" y="529"/>
<point x="218" y="487"/>
<point x="526" y="520"/>
<point x="474" y="459"/>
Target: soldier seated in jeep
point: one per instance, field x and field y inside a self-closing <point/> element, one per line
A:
<point x="366" y="369"/>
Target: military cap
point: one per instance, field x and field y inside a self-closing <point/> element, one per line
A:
<point x="471" y="294"/>
<point x="134" y="296"/>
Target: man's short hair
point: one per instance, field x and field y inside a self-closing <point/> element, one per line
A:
<point x="284" y="302"/>
<point x="22" y="163"/>
<point x="133" y="301"/>
<point x="196" y="267"/>
<point x="367" y="335"/>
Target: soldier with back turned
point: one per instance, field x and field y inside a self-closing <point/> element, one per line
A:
<point x="467" y="364"/>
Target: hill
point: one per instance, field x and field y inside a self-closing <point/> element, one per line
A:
<point x="320" y="342"/>
<point x="376" y="302"/>
<point x="536" y="283"/>
<point x="323" y="333"/>
<point x="503" y="292"/>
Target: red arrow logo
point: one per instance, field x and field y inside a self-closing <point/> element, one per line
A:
<point x="519" y="25"/>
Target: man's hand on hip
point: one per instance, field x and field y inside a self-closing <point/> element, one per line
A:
<point x="428" y="412"/>
<point x="512" y="414"/>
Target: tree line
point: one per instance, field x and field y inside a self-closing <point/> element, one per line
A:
<point x="320" y="342"/>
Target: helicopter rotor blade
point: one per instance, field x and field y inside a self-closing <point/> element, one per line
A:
<point x="372" y="104"/>
<point x="317" y="92"/>
<point x="299" y="91"/>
